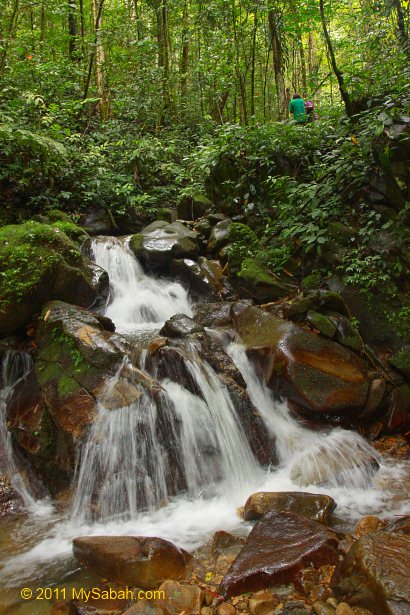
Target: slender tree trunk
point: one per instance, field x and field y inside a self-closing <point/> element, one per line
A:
<point x="339" y="75"/>
<point x="217" y="112"/>
<point x="278" y="61"/>
<point x="72" y="29"/>
<point x="184" y="65"/>
<point x="42" y="22"/>
<point x="303" y="67"/>
<point x="402" y="34"/>
<point x="253" y="61"/>
<point x="9" y="34"/>
<point x="104" y="107"/>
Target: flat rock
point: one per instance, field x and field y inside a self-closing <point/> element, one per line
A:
<point x="375" y="574"/>
<point x="180" y="325"/>
<point x="311" y="505"/>
<point x="278" y="547"/>
<point x="131" y="560"/>
<point x="161" y="241"/>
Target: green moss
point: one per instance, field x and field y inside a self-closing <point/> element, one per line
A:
<point x="67" y="386"/>
<point x="71" y="230"/>
<point x="255" y="273"/>
<point x="47" y="371"/>
<point x="241" y="233"/>
<point x="55" y="215"/>
<point x="312" y="281"/>
<point x="136" y="243"/>
<point x="322" y="323"/>
<point x="401" y="360"/>
<point x="29" y="253"/>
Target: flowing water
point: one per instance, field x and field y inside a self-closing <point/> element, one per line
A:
<point x="177" y="464"/>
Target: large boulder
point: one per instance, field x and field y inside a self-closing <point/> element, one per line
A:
<point x="315" y="373"/>
<point x="311" y="505"/>
<point x="38" y="262"/>
<point x="160" y="242"/>
<point x="192" y="207"/>
<point x="132" y="560"/>
<point x="202" y="277"/>
<point x="375" y="574"/>
<point x="279" y="546"/>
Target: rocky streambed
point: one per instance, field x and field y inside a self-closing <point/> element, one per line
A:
<point x="139" y="417"/>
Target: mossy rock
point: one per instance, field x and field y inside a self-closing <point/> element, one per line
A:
<point x="401" y="361"/>
<point x="38" y="262"/>
<point x="244" y="243"/>
<point x="321" y="323"/>
<point x="165" y="213"/>
<point x="311" y="282"/>
<point x="136" y="244"/>
<point x="192" y="207"/>
<point x="259" y="281"/>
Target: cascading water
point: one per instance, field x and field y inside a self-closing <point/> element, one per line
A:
<point x="15" y="367"/>
<point x="136" y="301"/>
<point x="332" y="458"/>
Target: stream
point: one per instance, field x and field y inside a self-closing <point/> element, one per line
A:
<point x="122" y="453"/>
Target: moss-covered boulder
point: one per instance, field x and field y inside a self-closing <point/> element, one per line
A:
<point x="160" y="242"/>
<point x="321" y="323"/>
<point x="192" y="207"/>
<point x="400" y="360"/>
<point x="259" y="282"/>
<point x="38" y="262"/>
<point x="315" y="373"/>
<point x="219" y="235"/>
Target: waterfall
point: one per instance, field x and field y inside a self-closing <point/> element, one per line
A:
<point x="335" y="457"/>
<point x="136" y="301"/>
<point x="16" y="366"/>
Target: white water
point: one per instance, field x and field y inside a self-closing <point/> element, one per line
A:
<point x="136" y="301"/>
<point x="124" y="458"/>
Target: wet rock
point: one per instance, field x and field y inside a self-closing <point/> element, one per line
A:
<point x="61" y="272"/>
<point x="258" y="281"/>
<point x="214" y="314"/>
<point x="346" y="334"/>
<point x="321" y="323"/>
<point x="344" y="609"/>
<point x="375" y="574"/>
<point x="398" y="419"/>
<point x="160" y="242"/>
<point x="313" y="506"/>
<point x="315" y="373"/>
<point x="375" y="397"/>
<point x="193" y="207"/>
<point x="262" y="603"/>
<point x="98" y="222"/>
<point x="297" y="308"/>
<point x="165" y="214"/>
<point x="10" y="501"/>
<point x="401" y="361"/>
<point x="201" y="277"/>
<point x="369" y="524"/>
<point x="221" y="541"/>
<point x="180" y="325"/>
<point x="402" y="525"/>
<point x="219" y="236"/>
<point x="131" y="560"/>
<point x="144" y="607"/>
<point x="393" y="446"/>
<point x="156" y="344"/>
<point x="180" y="598"/>
<point x="278" y="547"/>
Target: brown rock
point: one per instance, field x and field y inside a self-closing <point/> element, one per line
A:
<point x="310" y="505"/>
<point x="278" y="547"/>
<point x="131" y="560"/>
<point x="369" y="524"/>
<point x="262" y="603"/>
<point x="375" y="574"/>
<point x="179" y="598"/>
<point x="226" y="609"/>
<point x="393" y="446"/>
<point x="375" y="396"/>
<point x="222" y="540"/>
<point x="316" y="373"/>
<point x="399" y="414"/>
<point x="144" y="607"/>
<point x="202" y="277"/>
<point x="10" y="501"/>
<point x="156" y="344"/>
<point x="122" y="394"/>
<point x="206" y="610"/>
<point x="344" y="609"/>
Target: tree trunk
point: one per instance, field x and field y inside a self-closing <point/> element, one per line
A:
<point x="184" y="66"/>
<point x="253" y="58"/>
<point x="401" y="27"/>
<point x="278" y="61"/>
<point x="339" y="75"/>
<point x="9" y="34"/>
<point x="72" y="29"/>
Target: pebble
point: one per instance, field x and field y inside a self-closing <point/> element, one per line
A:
<point x="206" y="610"/>
<point x="225" y="609"/>
<point x="344" y="609"/>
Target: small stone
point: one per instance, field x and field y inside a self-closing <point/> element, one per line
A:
<point x="344" y="609"/>
<point x="206" y="610"/>
<point x="225" y="609"/>
<point x="368" y="524"/>
<point x="179" y="597"/>
<point x="208" y="597"/>
<point x="262" y="603"/>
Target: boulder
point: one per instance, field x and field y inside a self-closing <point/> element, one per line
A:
<point x="10" y="501"/>
<point x="193" y="207"/>
<point x="278" y="547"/>
<point x="375" y="574"/>
<point x="310" y="505"/>
<point x="316" y="373"/>
<point x="321" y="323"/>
<point x="98" y="222"/>
<point x="160" y="242"/>
<point x="180" y="325"/>
<point x="224" y="541"/>
<point x="219" y="235"/>
<point x="214" y="314"/>
<point x="202" y="277"/>
<point x="400" y="360"/>
<point x="131" y="560"/>
<point x="38" y="262"/>
<point x="258" y="281"/>
<point x="398" y="418"/>
<point x="375" y="397"/>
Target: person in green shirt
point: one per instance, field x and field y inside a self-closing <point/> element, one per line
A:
<point x="297" y="109"/>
